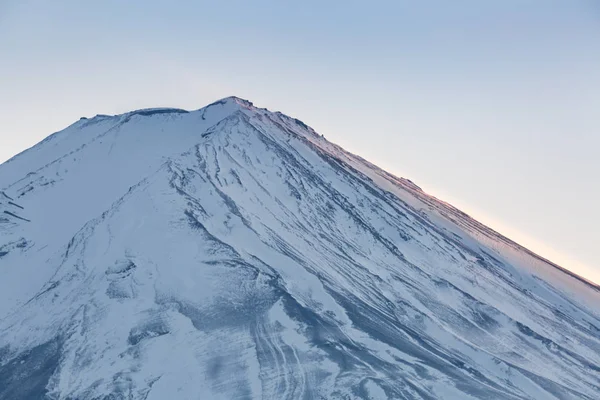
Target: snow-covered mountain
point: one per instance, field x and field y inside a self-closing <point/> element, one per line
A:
<point x="234" y="253"/>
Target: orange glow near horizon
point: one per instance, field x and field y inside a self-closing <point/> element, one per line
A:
<point x="536" y="246"/>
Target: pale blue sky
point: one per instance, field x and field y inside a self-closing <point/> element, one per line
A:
<point x="493" y="106"/>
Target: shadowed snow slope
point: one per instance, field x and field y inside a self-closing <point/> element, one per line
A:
<point x="233" y="253"/>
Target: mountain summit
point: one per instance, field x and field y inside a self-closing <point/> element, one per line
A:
<point x="233" y="253"/>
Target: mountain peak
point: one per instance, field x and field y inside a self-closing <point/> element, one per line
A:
<point x="232" y="100"/>
<point x="231" y="252"/>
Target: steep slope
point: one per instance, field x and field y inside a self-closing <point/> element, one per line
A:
<point x="233" y="253"/>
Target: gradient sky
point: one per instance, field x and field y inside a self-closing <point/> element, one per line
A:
<point x="493" y="106"/>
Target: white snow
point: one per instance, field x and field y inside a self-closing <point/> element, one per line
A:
<point x="232" y="252"/>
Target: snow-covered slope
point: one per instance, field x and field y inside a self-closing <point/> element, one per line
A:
<point x="233" y="253"/>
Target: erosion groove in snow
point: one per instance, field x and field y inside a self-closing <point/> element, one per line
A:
<point x="232" y="252"/>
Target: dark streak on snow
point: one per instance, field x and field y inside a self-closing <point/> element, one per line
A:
<point x="7" y="196"/>
<point x="16" y="216"/>
<point x="16" y="205"/>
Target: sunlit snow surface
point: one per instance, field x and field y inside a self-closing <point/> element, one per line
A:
<point x="234" y="253"/>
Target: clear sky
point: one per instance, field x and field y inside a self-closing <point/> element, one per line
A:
<point x="493" y="106"/>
